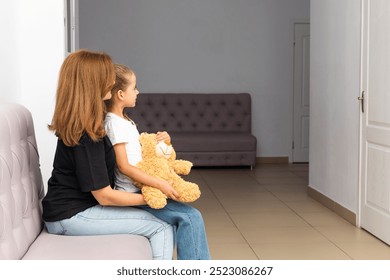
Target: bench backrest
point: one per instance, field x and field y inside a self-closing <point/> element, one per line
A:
<point x="21" y="188"/>
<point x="192" y="112"/>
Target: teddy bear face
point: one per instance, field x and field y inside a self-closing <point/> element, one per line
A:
<point x="163" y="150"/>
<point x="150" y="148"/>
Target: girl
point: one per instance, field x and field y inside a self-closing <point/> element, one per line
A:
<point x="80" y="198"/>
<point x="123" y="133"/>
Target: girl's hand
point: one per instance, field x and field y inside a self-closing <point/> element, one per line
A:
<point x="163" y="136"/>
<point x="168" y="190"/>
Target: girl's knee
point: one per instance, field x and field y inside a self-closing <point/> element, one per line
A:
<point x="195" y="212"/>
<point x="195" y="216"/>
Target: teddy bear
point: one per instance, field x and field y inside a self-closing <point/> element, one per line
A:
<point x="159" y="160"/>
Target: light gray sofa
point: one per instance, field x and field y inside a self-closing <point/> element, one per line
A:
<point x="22" y="234"/>
<point x="208" y="129"/>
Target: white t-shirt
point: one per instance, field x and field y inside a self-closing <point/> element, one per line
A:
<point x="120" y="130"/>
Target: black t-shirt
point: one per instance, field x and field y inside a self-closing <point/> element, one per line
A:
<point x="76" y="172"/>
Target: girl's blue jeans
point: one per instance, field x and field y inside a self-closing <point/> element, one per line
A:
<point x="99" y="220"/>
<point x="190" y="231"/>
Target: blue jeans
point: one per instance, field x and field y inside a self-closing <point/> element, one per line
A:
<point x="99" y="220"/>
<point x="190" y="231"/>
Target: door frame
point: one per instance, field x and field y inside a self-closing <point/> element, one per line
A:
<point x="361" y="116"/>
<point x="71" y="25"/>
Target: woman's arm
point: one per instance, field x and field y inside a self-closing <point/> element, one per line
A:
<point x="110" y="197"/>
<point x="138" y="175"/>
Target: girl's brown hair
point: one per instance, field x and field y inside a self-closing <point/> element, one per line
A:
<point x="85" y="79"/>
<point x="122" y="81"/>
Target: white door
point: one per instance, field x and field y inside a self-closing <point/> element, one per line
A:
<point x="301" y="105"/>
<point x="375" y="120"/>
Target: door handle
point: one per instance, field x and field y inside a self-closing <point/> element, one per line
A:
<point x="361" y="98"/>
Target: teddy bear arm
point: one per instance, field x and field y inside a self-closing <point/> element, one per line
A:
<point x="188" y="191"/>
<point x="154" y="197"/>
<point x="182" y="167"/>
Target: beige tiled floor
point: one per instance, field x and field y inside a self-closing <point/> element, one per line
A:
<point x="266" y="214"/>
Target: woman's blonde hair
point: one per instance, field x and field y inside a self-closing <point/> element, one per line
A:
<point x="122" y="81"/>
<point x="85" y="79"/>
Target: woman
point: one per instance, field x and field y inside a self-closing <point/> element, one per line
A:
<point x="80" y="198"/>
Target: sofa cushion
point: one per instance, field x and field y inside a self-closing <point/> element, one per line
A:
<point x="113" y="247"/>
<point x="213" y="141"/>
<point x="219" y="158"/>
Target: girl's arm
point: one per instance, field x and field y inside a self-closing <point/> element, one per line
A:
<point x="110" y="197"/>
<point x="138" y="175"/>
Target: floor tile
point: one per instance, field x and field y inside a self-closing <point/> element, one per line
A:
<point x="347" y="233"/>
<point x="225" y="235"/>
<point x="366" y="250"/>
<point x="308" y="205"/>
<point x="300" y="251"/>
<point x="260" y="220"/>
<point x="232" y="252"/>
<point x="324" y="219"/>
<point x="263" y="235"/>
<point x="266" y="206"/>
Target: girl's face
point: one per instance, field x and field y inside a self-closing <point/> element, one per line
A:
<point x="131" y="92"/>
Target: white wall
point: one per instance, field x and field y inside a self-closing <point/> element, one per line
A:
<point x="9" y="50"/>
<point x="334" y="108"/>
<point x="207" y="46"/>
<point x="32" y="51"/>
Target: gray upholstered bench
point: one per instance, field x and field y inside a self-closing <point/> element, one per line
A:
<point x="22" y="234"/>
<point x="207" y="129"/>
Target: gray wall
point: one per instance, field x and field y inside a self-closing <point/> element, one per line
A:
<point x="206" y="46"/>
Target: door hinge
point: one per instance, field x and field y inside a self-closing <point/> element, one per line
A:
<point x="293" y="145"/>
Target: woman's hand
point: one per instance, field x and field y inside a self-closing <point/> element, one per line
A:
<point x="163" y="136"/>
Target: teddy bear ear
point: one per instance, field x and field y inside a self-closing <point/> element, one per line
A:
<point x="142" y="136"/>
